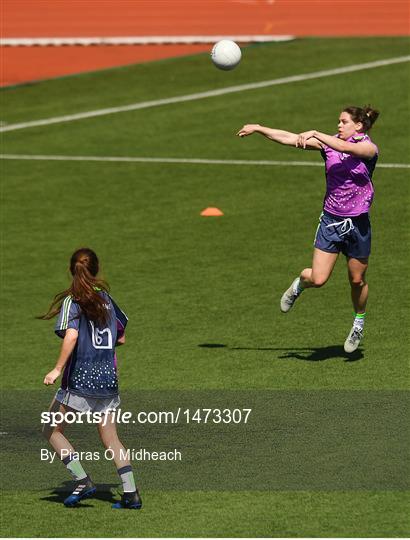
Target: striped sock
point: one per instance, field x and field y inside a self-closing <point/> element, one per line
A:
<point x="127" y="479"/>
<point x="75" y="468"/>
<point x="359" y="320"/>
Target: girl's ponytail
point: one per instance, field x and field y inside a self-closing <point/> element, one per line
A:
<point x="371" y="114"/>
<point x="84" y="289"/>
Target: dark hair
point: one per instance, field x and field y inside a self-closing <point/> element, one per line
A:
<point x="366" y="115"/>
<point x="84" y="289"/>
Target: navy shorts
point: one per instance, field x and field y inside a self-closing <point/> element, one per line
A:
<point x="351" y="236"/>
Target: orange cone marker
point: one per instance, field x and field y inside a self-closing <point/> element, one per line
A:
<point x="211" y="212"/>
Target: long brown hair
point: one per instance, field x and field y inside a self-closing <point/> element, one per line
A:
<point x="84" y="289"/>
<point x="366" y="115"/>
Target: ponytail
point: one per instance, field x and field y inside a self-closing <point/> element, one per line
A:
<point x="84" y="288"/>
<point x="371" y="114"/>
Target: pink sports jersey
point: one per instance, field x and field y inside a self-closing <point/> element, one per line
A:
<point x="349" y="188"/>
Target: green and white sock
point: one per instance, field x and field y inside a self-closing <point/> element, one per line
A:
<point x="359" y="320"/>
<point x="127" y="479"/>
<point x="75" y="468"/>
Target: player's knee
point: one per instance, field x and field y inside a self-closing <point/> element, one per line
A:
<point x="107" y="439"/>
<point x="357" y="282"/>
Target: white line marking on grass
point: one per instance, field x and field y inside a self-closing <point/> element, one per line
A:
<point x="208" y="94"/>
<point x="136" y="40"/>
<point x="198" y="161"/>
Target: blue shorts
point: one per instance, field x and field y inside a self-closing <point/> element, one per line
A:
<point x="351" y="236"/>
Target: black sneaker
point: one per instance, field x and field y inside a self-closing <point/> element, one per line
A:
<point x="131" y="500"/>
<point x="83" y="490"/>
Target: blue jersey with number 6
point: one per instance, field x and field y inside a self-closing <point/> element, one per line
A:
<point x="91" y="370"/>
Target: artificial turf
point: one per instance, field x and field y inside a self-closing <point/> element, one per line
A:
<point x="202" y="294"/>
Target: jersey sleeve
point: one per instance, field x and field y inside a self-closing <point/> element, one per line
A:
<point x="121" y="318"/>
<point x="69" y="317"/>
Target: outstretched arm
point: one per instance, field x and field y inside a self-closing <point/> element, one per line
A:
<point x="364" y="150"/>
<point x="280" y="136"/>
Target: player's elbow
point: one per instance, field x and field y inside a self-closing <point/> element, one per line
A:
<point x="71" y="335"/>
<point x="370" y="154"/>
<point x="361" y="151"/>
<point x="364" y="155"/>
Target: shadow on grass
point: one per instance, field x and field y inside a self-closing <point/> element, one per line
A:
<point x="58" y="495"/>
<point x="318" y="354"/>
<point x="308" y="354"/>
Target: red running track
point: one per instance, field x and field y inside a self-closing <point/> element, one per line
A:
<point x="90" y="18"/>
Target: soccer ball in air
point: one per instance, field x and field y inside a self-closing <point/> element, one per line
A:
<point x="226" y="54"/>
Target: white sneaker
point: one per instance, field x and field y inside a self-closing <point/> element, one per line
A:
<point x="289" y="297"/>
<point x="353" y="339"/>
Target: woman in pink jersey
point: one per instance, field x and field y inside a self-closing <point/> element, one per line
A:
<point x="350" y="158"/>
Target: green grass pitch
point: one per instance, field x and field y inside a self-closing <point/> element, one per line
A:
<point x="202" y="294"/>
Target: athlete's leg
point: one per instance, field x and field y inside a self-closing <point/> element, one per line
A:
<point x="359" y="288"/>
<point x="131" y="498"/>
<point x="322" y="267"/>
<point x="55" y="434"/>
<point x="107" y="430"/>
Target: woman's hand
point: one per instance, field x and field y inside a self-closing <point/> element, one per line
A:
<point x="248" y="129"/>
<point x="51" y="377"/>
<point x="303" y="137"/>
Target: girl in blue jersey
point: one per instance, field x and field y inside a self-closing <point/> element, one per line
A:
<point x="91" y="325"/>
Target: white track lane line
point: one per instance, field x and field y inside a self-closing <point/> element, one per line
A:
<point x="208" y="94"/>
<point x="194" y="161"/>
<point x="137" y="40"/>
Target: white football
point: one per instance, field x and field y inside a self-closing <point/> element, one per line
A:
<point x="226" y="54"/>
